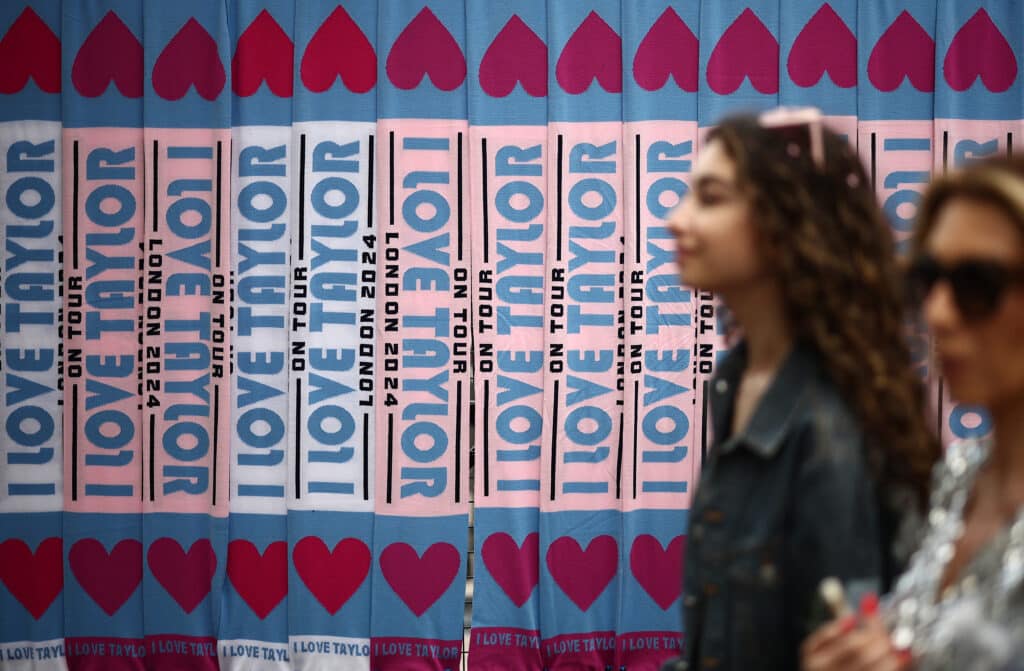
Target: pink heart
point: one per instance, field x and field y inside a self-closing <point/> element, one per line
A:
<point x="904" y="50"/>
<point x="516" y="569"/>
<point x="190" y="58"/>
<point x="593" y="51"/>
<point x="260" y="579"/>
<point x="110" y="579"/>
<point x="187" y="577"/>
<point x="339" y="48"/>
<point x="669" y="48"/>
<point x="111" y="52"/>
<point x="659" y="571"/>
<point x="979" y="49"/>
<point x="29" y="49"/>
<point x="583" y="574"/>
<point x="746" y="49"/>
<point x="426" y="48"/>
<point x="420" y="581"/>
<point x="825" y="44"/>
<point x="332" y="576"/>
<point x="264" y="53"/>
<point x="515" y="55"/>
<point x="33" y="578"/>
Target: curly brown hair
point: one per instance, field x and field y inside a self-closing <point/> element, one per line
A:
<point x="826" y="239"/>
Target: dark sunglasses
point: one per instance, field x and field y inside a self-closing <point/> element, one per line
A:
<point x="978" y="286"/>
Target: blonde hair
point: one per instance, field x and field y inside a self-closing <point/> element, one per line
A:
<point x="997" y="181"/>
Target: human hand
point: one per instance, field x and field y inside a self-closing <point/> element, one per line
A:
<point x="842" y="645"/>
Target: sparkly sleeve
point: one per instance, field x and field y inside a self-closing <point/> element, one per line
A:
<point x="968" y="638"/>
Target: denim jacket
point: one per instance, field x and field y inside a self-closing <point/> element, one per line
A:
<point x="780" y="506"/>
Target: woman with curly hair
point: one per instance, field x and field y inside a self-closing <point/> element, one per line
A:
<point x="960" y="606"/>
<point x="820" y="437"/>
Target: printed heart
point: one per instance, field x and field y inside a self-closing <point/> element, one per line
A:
<point x="826" y="44"/>
<point x="264" y="53"/>
<point x="583" y="574"/>
<point x="669" y="48"/>
<point x="332" y="576"/>
<point x="111" y="578"/>
<point x="189" y="59"/>
<point x="425" y="47"/>
<point x="110" y="53"/>
<point x="339" y="48"/>
<point x="658" y="570"/>
<point x="979" y="49"/>
<point x="260" y="579"/>
<point x="746" y="49"/>
<point x="594" y="51"/>
<point x="420" y="581"/>
<point x="34" y="579"/>
<point x="187" y="577"/>
<point x="29" y="49"/>
<point x="905" y="50"/>
<point x="517" y="54"/>
<point x="515" y="568"/>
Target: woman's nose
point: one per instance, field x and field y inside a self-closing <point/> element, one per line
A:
<point x="678" y="218"/>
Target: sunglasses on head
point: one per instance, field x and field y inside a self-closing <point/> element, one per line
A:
<point x="801" y="127"/>
<point x="978" y="286"/>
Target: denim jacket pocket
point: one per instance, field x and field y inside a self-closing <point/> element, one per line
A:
<point x="758" y="617"/>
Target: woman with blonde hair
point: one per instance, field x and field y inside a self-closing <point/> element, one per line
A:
<point x="960" y="606"/>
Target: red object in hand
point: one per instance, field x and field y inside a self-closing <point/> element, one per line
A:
<point x="869" y="605"/>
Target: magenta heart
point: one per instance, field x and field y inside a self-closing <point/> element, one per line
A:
<point x="905" y="50"/>
<point x="111" y="52"/>
<point x="420" y="581"/>
<point x="594" y="51"/>
<point x="826" y="44"/>
<point x="264" y="54"/>
<point x="187" y="577"/>
<point x="426" y="48"/>
<point x="669" y="48"/>
<point x="746" y="49"/>
<point x="583" y="574"/>
<point x="109" y="578"/>
<point x="339" y="48"/>
<point x="658" y="570"/>
<point x="189" y="59"/>
<point x="515" y="568"/>
<point x="332" y="576"/>
<point x="515" y="55"/>
<point x="29" y="49"/>
<point x="33" y="578"/>
<point x="979" y="49"/>
<point x="260" y="579"/>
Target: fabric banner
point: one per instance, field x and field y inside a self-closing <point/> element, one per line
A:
<point x="508" y="86"/>
<point x="739" y="72"/>
<point x="104" y="219"/>
<point x="896" y="50"/>
<point x="333" y="279"/>
<point x="423" y="377"/>
<point x="660" y="459"/>
<point x="582" y="434"/>
<point x="252" y="249"/>
<point x="31" y="387"/>
<point x="186" y="391"/>
<point x="818" y="60"/>
<point x="254" y="617"/>
<point x="978" y="95"/>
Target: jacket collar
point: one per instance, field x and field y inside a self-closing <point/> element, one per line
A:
<point x="775" y="410"/>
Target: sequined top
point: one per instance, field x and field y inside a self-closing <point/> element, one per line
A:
<point x="976" y="624"/>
